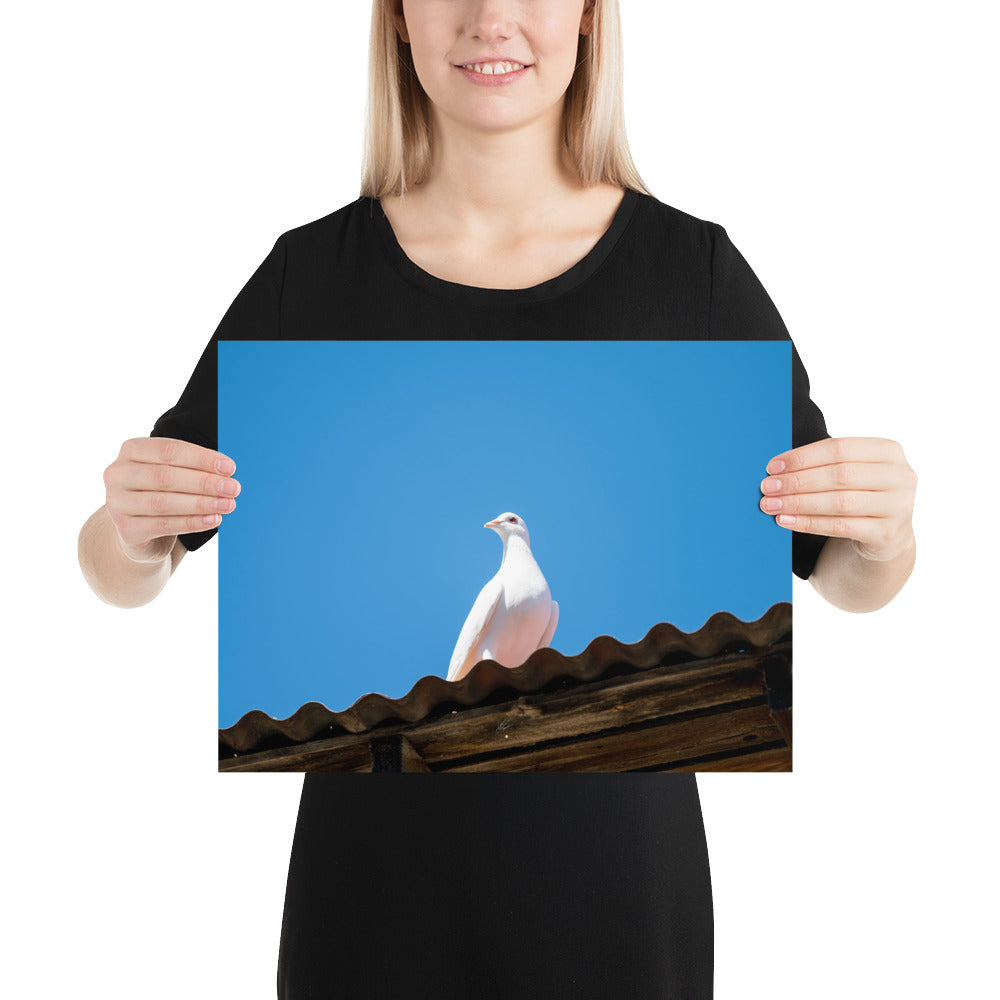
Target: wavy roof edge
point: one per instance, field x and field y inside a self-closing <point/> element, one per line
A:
<point x="257" y="731"/>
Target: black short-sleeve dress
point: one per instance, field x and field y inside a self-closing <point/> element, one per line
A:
<point x="583" y="886"/>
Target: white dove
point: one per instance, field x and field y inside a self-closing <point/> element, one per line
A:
<point x="514" y="613"/>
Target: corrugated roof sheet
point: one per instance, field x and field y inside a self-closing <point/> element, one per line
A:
<point x="489" y="682"/>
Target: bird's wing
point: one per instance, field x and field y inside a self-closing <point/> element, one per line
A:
<point x="550" y="629"/>
<point x="476" y="625"/>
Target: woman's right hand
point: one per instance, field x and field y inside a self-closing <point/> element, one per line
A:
<point x="158" y="488"/>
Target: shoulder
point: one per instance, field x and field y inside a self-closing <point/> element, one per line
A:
<point x="338" y="243"/>
<point x="334" y="226"/>
<point x="669" y="240"/>
<point x="668" y="231"/>
<point x="673" y="221"/>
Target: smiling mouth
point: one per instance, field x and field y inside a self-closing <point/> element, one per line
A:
<point x="493" y="69"/>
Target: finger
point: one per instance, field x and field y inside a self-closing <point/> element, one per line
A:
<point x="173" y="451"/>
<point x="140" y="476"/>
<point x="866" y="530"/>
<point x="832" y="451"/>
<point x="842" y="503"/>
<point x="844" y="476"/>
<point x="140" y="530"/>
<point x="152" y="503"/>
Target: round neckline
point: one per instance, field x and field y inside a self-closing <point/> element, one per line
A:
<point x="569" y="279"/>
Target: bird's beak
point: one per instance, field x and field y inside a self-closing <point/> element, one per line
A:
<point x="491" y="524"/>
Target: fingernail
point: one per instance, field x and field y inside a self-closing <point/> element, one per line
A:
<point x="786" y="519"/>
<point x="225" y="465"/>
<point x="771" y="504"/>
<point x="775" y="465"/>
<point x="771" y="485"/>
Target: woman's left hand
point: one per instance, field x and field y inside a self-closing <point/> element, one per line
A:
<point x="860" y="488"/>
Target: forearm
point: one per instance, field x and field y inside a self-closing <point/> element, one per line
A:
<point x="113" y="576"/>
<point x="852" y="583"/>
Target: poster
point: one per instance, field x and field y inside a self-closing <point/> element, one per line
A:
<point x="358" y="548"/>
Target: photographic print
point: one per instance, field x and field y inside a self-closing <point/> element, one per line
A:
<point x="504" y="556"/>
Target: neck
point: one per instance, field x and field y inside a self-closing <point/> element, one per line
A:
<point x="485" y="183"/>
<point x="514" y="545"/>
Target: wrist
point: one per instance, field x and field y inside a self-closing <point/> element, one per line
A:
<point x="155" y="551"/>
<point x="898" y="551"/>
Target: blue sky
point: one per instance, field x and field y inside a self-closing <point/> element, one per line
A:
<point x="368" y="469"/>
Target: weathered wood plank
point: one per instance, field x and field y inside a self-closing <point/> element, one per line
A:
<point x="349" y="753"/>
<point x="670" y="739"/>
<point x="766" y="759"/>
<point x="588" y="708"/>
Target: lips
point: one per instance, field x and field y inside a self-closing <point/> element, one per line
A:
<point x="492" y="59"/>
<point x="492" y="79"/>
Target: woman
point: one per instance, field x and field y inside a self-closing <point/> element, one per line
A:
<point x="501" y="205"/>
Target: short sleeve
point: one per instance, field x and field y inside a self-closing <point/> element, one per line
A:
<point x="255" y="314"/>
<point x="741" y="309"/>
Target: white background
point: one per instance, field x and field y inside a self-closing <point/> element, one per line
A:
<point x="155" y="152"/>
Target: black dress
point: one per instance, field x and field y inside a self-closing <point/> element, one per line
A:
<point x="498" y="885"/>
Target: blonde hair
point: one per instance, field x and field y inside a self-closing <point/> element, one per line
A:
<point x="397" y="140"/>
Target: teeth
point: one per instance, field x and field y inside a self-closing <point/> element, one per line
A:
<point x="495" y="69"/>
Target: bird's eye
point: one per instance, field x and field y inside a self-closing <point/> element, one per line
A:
<point x="513" y="520"/>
